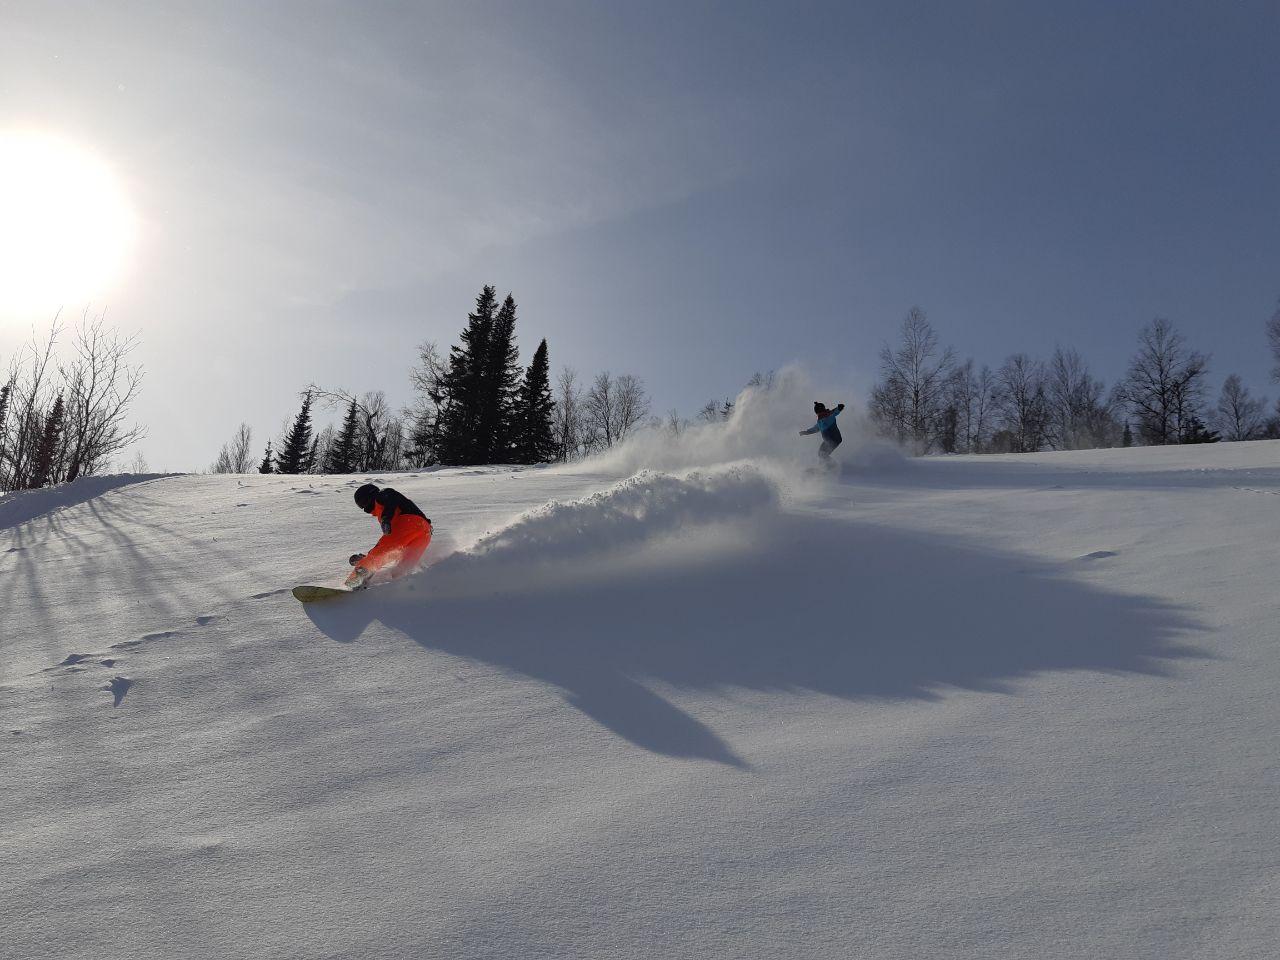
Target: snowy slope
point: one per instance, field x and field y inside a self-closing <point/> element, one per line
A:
<point x="961" y="707"/>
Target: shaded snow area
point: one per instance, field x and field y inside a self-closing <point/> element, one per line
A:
<point x="20" y="506"/>
<point x="686" y="702"/>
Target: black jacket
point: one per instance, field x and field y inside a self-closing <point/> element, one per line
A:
<point x="396" y="504"/>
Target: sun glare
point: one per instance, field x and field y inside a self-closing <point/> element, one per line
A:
<point x="66" y="228"/>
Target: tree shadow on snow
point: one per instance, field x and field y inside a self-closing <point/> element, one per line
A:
<point x="853" y="611"/>
<point x="23" y="506"/>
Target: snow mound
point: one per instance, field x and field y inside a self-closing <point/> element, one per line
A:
<point x="763" y="429"/>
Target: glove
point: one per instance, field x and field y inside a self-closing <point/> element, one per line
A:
<point x="355" y="558"/>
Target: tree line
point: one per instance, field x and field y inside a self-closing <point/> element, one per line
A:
<point x="476" y="405"/>
<point x="930" y="401"/>
<point x="64" y="418"/>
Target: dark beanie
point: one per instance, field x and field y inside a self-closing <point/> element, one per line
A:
<point x="365" y="495"/>
<point x="818" y="407"/>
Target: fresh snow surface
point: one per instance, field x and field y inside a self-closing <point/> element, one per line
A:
<point x="1004" y="707"/>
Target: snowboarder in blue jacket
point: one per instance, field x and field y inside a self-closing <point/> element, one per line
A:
<point x="826" y="425"/>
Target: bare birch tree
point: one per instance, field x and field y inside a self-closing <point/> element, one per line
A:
<point x="1022" y="403"/>
<point x="1078" y="412"/>
<point x="236" y="455"/>
<point x="429" y="382"/>
<point x="613" y="407"/>
<point x="633" y="404"/>
<point x="101" y="385"/>
<point x="908" y="401"/>
<point x="675" y="424"/>
<point x="1240" y="415"/>
<point x="1164" y="387"/>
<point x="599" y="408"/>
<point x="970" y="399"/>
<point x="566" y="422"/>
<point x="28" y="402"/>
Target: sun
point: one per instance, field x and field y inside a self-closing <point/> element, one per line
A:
<point x="66" y="227"/>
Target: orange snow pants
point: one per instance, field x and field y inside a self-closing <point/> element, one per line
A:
<point x="398" y="552"/>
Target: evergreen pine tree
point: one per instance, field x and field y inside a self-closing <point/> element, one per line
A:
<point x="267" y="466"/>
<point x="297" y="442"/>
<point x="342" y="455"/>
<point x="501" y="378"/>
<point x="312" y="453"/>
<point x="48" y="446"/>
<point x="1195" y="431"/>
<point x="464" y="388"/>
<point x="533" y="440"/>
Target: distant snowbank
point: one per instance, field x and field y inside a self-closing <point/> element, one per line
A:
<point x="21" y="506"/>
<point x="618" y="521"/>
<point x="764" y="428"/>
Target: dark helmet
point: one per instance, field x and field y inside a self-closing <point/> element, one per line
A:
<point x="364" y="497"/>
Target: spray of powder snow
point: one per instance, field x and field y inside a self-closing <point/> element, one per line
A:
<point x="708" y="476"/>
<point x="604" y="532"/>
<point x="764" y="430"/>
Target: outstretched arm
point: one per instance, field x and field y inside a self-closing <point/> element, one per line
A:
<point x="813" y="429"/>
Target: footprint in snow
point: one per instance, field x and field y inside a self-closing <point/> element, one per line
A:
<point x="205" y="620"/>
<point x="1098" y="555"/>
<point x="118" y="686"/>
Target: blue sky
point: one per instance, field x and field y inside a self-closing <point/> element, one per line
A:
<point x="689" y="192"/>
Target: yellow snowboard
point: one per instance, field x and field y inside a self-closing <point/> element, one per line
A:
<point x="308" y="592"/>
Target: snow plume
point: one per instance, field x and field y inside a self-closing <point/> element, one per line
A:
<point x="763" y="429"/>
<point x="604" y="532"/>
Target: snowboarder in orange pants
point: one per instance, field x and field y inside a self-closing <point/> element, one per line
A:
<point x="406" y="533"/>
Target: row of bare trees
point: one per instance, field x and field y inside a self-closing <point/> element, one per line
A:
<point x="586" y="421"/>
<point x="929" y="401"/>
<point x="65" y="413"/>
